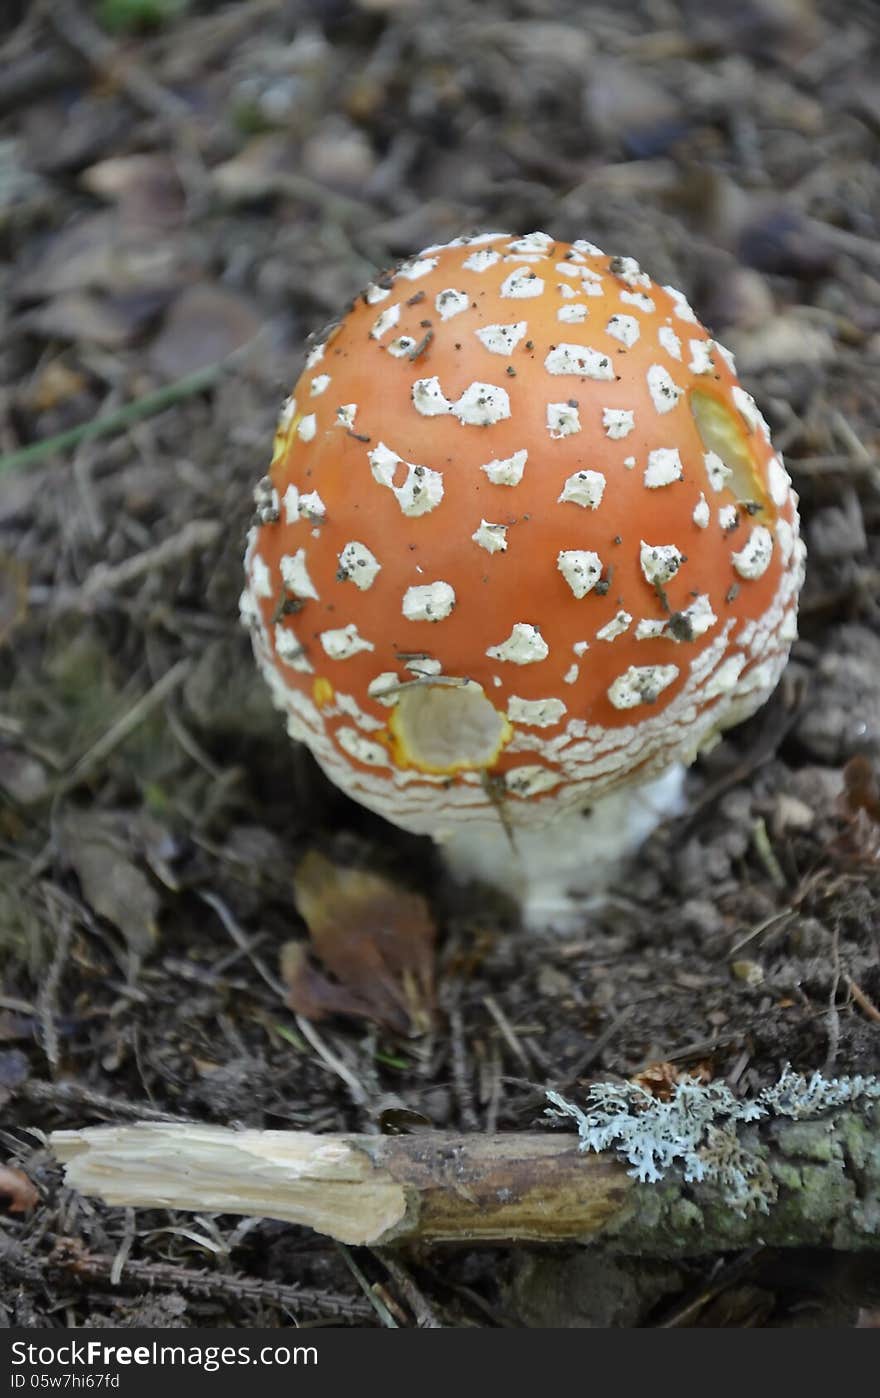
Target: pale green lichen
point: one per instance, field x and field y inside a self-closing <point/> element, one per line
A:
<point x="696" y="1130"/>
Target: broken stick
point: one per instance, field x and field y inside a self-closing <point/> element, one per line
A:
<point x="436" y="1186"/>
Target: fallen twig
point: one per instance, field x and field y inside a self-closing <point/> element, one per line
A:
<point x="126" y="725"/>
<point x="196" y="535"/>
<point x="375" y="1300"/>
<point x="73" y="1094"/>
<point x="424" y="1312"/>
<point x="48" y="992"/>
<point x="69" y="1257"/>
<point x="33" y="75"/>
<point x="865" y="1004"/>
<point x="460" y="1075"/>
<point x="80" y="33"/>
<point x="515" y="1187"/>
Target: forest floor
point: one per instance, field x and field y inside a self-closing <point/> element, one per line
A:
<point x="178" y="210"/>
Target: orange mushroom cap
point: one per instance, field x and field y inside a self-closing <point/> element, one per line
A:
<point x="524" y="537"/>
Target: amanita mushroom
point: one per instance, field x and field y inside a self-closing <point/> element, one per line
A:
<point x="524" y="547"/>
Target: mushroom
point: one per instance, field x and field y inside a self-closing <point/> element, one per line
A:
<point x="524" y="549"/>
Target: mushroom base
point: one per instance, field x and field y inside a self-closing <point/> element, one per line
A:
<point x="557" y="871"/>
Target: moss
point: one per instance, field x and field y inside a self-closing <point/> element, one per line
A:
<point x="786" y="1176"/>
<point x="809" y="1141"/>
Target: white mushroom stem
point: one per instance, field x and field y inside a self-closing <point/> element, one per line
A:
<point x="556" y="871"/>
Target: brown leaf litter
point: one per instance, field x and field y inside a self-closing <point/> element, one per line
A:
<point x="374" y="938"/>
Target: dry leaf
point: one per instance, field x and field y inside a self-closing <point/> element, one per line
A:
<point x="97" y="250"/>
<point x="861" y="788"/>
<point x="54" y="384"/>
<point x="86" y="316"/>
<point x="313" y="994"/>
<point x="13" y="595"/>
<point x="787" y="30"/>
<point x="22" y="192"/>
<point x="859" y="803"/>
<point x="16" y="1190"/>
<point x="374" y="938"/>
<point x="258" y="170"/>
<point x="111" y="884"/>
<point x="784" y="339"/>
<point x="661" y="1079"/>
<point x="205" y="324"/>
<point x="23" y="777"/>
<point x="625" y="106"/>
<point x="403" y="1121"/>
<point x="339" y="155"/>
<point x="146" y="188"/>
